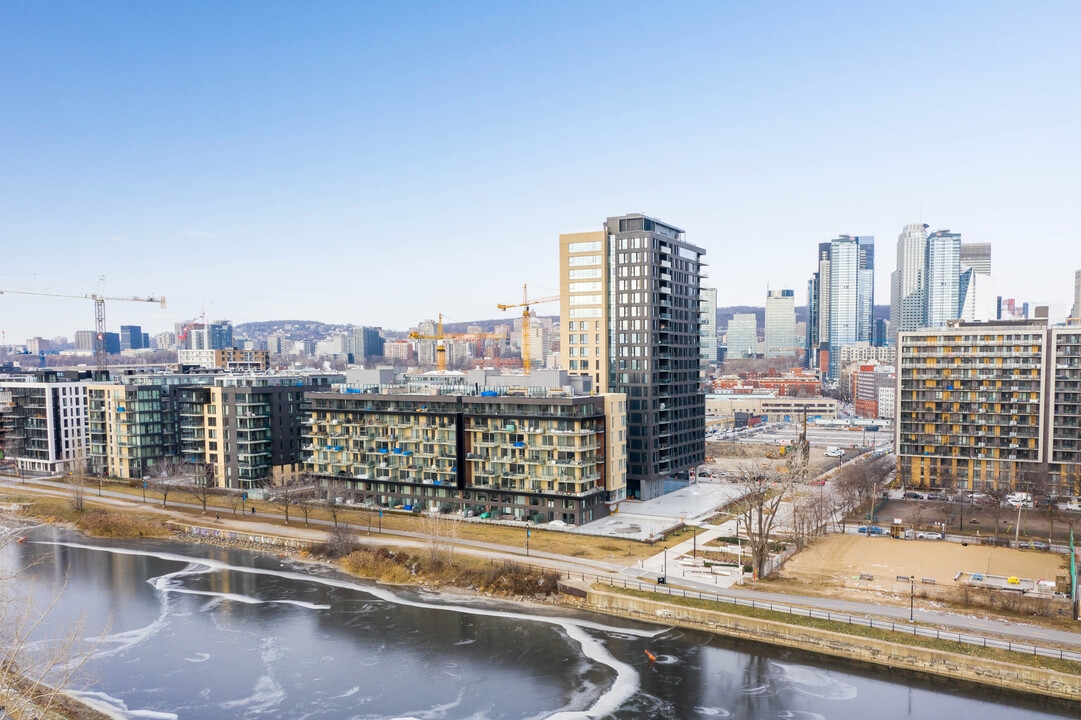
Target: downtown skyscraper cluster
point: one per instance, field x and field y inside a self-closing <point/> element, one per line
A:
<point x="938" y="279"/>
<point x="840" y="300"/>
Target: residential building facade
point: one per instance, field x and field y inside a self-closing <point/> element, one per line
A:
<point x="498" y="453"/>
<point x="43" y="421"/>
<point x="986" y="405"/>
<point x="631" y="299"/>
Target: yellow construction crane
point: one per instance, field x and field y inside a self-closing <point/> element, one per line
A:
<point x="526" y="302"/>
<point x="99" y="317"/>
<point x="441" y="350"/>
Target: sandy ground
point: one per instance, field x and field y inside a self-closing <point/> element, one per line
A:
<point x="837" y="559"/>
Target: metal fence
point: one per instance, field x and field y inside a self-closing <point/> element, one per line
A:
<point x="907" y="628"/>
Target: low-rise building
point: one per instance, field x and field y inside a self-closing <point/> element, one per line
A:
<point x="231" y="359"/>
<point x="724" y="407"/>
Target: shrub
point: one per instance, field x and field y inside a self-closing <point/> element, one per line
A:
<point x="99" y="523"/>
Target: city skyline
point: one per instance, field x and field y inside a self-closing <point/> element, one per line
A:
<point x="175" y="148"/>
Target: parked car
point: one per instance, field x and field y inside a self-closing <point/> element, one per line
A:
<point x="929" y="536"/>
<point x="914" y="496"/>
<point x="872" y="530"/>
<point x="1033" y="545"/>
<point x="935" y="496"/>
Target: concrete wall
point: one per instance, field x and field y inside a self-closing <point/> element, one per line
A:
<point x="1003" y="675"/>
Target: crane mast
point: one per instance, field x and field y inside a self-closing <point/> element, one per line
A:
<point x="526" y="302"/>
<point x="100" y="356"/>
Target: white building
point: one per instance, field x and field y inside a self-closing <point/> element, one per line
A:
<point x="781" y="324"/>
<point x="886" y="404"/>
<point x="707" y="329"/>
<point x="44" y="423"/>
<point x="742" y="336"/>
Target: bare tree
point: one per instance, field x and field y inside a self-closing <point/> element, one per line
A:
<point x="307" y="500"/>
<point x="235" y="501"/>
<point x="998" y="493"/>
<point x="292" y="488"/>
<point x="764" y="489"/>
<point x="78" y="478"/>
<point x="35" y="674"/>
<point x="199" y="482"/>
<point x="164" y="476"/>
<point x="439" y="532"/>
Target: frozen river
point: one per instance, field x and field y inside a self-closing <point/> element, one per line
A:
<point x="202" y="633"/>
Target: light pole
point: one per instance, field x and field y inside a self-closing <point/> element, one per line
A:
<point x="912" y="598"/>
<point x="739" y="553"/>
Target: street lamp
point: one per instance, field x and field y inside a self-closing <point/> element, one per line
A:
<point x="912" y="598"/>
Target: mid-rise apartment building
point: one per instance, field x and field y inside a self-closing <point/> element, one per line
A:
<point x="230" y="359"/>
<point x="984" y="405"/>
<point x="630" y="304"/>
<point x="243" y="431"/>
<point x="538" y="453"/>
<point x="43" y="421"/>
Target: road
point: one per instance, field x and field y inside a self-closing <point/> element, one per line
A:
<point x="648" y="572"/>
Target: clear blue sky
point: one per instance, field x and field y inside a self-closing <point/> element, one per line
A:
<point x="379" y="163"/>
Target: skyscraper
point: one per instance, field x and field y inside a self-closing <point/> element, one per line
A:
<point x="742" y="336"/>
<point x="629" y="310"/>
<point x="906" y="282"/>
<point x="865" y="300"/>
<point x="781" y="324"/>
<point x="844" y="298"/>
<point x="976" y="256"/>
<point x="942" y="278"/>
<point x="708" y="329"/>
<point x="1076" y="295"/>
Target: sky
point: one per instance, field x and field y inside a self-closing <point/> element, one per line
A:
<point x="378" y="163"/>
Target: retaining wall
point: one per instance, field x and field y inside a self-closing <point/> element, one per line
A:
<point x="1002" y="675"/>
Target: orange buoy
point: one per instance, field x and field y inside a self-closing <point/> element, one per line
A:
<point x="651" y="657"/>
<point x="22" y="538"/>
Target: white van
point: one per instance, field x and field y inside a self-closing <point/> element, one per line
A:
<point x="834" y="452"/>
<point x="1019" y="499"/>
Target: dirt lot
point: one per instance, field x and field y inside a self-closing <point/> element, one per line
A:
<point x="837" y="560"/>
<point x="926" y="514"/>
<point x="733" y="457"/>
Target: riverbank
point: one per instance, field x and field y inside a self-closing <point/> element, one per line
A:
<point x="1043" y="677"/>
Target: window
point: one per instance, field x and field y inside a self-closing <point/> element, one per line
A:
<point x="585" y="312"/>
<point x="591" y="246"/>
<point x="585" y="274"/>
<point x="574" y="364"/>
<point x="579" y="260"/>
<point x="585" y="299"/>
<point x="585" y="287"/>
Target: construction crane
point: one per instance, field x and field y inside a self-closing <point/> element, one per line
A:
<point x="99" y="317"/>
<point x="440" y="348"/>
<point x="526" y="302"/>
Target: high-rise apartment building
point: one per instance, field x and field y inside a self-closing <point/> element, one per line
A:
<point x="741" y="337"/>
<point x="708" y="329"/>
<point x="942" y="279"/>
<point x="781" y="324"/>
<point x="630" y="301"/>
<point x="906" y="282"/>
<point x="985" y="405"/>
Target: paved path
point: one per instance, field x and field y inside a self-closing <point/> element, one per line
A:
<point x="646" y="574"/>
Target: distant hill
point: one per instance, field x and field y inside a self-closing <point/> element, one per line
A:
<point x="293" y="329"/>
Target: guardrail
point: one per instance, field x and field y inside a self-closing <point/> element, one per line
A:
<point x="915" y="630"/>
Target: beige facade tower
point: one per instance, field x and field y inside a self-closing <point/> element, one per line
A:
<point x="583" y="308"/>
